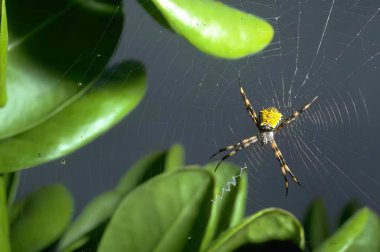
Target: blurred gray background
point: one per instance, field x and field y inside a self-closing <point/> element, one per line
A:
<point x="321" y="47"/>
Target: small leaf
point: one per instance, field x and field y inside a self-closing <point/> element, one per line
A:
<point x="120" y="90"/>
<point x="166" y="213"/>
<point x="42" y="217"/>
<point x="3" y="52"/>
<point x="316" y="224"/>
<point x="151" y="166"/>
<point x="90" y="224"/>
<point x="348" y="210"/>
<point x="229" y="199"/>
<point x="216" y="28"/>
<point x="175" y="158"/>
<point x="360" y="233"/>
<point x="273" y="228"/>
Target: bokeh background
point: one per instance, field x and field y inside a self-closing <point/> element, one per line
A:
<point x="322" y="48"/>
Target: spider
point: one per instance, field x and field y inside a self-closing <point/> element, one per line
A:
<point x="268" y="123"/>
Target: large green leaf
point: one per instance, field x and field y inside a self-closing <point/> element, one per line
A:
<point x="85" y="232"/>
<point x="360" y="233"/>
<point x="55" y="53"/>
<point x="3" y="52"/>
<point x="4" y="223"/>
<point x="215" y="28"/>
<point x="41" y="218"/>
<point x="229" y="200"/>
<point x="316" y="224"/>
<point x="167" y="213"/>
<point x="271" y="229"/>
<point x="116" y="94"/>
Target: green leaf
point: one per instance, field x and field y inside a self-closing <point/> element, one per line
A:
<point x="348" y="210"/>
<point x="316" y="224"/>
<point x="89" y="226"/>
<point x="271" y="229"/>
<point x="360" y="233"/>
<point x="54" y="55"/>
<point x="215" y="28"/>
<point x="4" y="223"/>
<point x="41" y="218"/>
<point x="229" y="199"/>
<point x="167" y="213"/>
<point x="115" y="95"/>
<point x="12" y="181"/>
<point x="3" y="53"/>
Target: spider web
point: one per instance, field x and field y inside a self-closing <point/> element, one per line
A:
<point x="321" y="48"/>
<point x="328" y="49"/>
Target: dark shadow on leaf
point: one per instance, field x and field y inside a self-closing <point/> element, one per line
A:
<point x="64" y="37"/>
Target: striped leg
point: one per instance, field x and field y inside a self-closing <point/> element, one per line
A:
<point x="254" y="138"/>
<point x="284" y="167"/>
<point x="294" y="115"/>
<point x="248" y="106"/>
<point x="236" y="147"/>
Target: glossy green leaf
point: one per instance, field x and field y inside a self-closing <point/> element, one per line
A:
<point x="360" y="233"/>
<point x="4" y="223"/>
<point x="229" y="199"/>
<point x="271" y="229"/>
<point x="348" y="210"/>
<point x="12" y="181"/>
<point x="85" y="232"/>
<point x="3" y="52"/>
<point x="105" y="104"/>
<point x="215" y="28"/>
<point x="167" y="213"/>
<point x="41" y="218"/>
<point x="54" y="55"/>
<point x="316" y="224"/>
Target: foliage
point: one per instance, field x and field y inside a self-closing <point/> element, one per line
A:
<point x="215" y="28"/>
<point x="167" y="206"/>
<point x="61" y="96"/>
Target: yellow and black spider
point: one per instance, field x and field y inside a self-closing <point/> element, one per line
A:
<point x="269" y="123"/>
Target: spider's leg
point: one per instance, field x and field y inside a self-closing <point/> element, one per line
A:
<point x="242" y="145"/>
<point x="248" y="106"/>
<point x="254" y="138"/>
<point x="285" y="179"/>
<point x="294" y="115"/>
<point x="284" y="166"/>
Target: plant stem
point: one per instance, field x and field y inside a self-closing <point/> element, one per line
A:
<point x="4" y="226"/>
